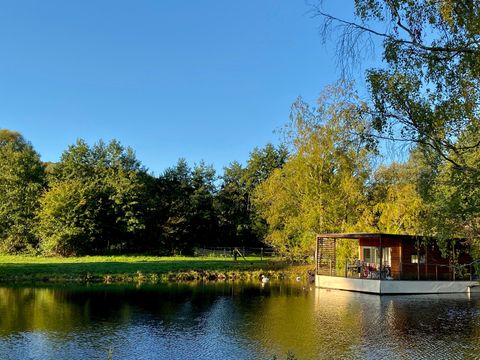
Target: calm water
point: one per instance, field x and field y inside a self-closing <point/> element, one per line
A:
<point x="233" y="321"/>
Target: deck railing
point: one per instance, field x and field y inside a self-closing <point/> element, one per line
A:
<point x="409" y="271"/>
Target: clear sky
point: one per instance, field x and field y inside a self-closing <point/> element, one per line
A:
<point x="207" y="79"/>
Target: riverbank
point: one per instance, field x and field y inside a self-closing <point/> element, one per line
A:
<point x="135" y="269"/>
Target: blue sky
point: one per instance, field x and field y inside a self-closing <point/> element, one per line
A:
<point x="195" y="79"/>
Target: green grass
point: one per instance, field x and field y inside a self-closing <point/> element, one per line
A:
<point x="132" y="268"/>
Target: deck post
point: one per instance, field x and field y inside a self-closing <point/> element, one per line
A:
<point x="426" y="262"/>
<point x="418" y="260"/>
<point x="381" y="258"/>
<point x="453" y="260"/>
<point x="401" y="261"/>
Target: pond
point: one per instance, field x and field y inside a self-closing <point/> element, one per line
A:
<point x="228" y="320"/>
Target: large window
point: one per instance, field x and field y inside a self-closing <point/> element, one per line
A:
<point x="371" y="255"/>
<point x="367" y="254"/>
<point x="387" y="256"/>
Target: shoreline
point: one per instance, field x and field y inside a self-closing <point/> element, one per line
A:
<point x="142" y="269"/>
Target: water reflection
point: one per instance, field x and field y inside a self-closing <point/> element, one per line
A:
<point x="232" y="321"/>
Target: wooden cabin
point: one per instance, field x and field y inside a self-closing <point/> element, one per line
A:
<point x="392" y="257"/>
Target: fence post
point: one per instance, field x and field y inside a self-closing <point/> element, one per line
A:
<point x="471" y="272"/>
<point x="330" y="267"/>
<point x="261" y="253"/>
<point x="346" y="268"/>
<point x="436" y="272"/>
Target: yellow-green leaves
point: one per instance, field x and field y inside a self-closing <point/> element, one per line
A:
<point x="322" y="186"/>
<point x="22" y="179"/>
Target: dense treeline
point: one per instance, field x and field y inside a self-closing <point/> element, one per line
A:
<point x="99" y="199"/>
<point x="329" y="175"/>
<point x="334" y="181"/>
<point x="425" y="95"/>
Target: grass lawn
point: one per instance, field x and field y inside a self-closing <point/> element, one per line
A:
<point x="128" y="268"/>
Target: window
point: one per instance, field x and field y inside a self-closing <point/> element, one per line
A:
<point x="367" y="254"/>
<point x="371" y="255"/>
<point x="415" y="259"/>
<point x="387" y="256"/>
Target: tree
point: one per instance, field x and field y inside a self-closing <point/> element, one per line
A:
<point x="262" y="162"/>
<point x="69" y="218"/>
<point x="188" y="217"/>
<point x="233" y="208"/>
<point x="203" y="217"/>
<point x="22" y="180"/>
<point x="395" y="204"/>
<point x="103" y="209"/>
<point x="322" y="186"/>
<point x="454" y="198"/>
<point x="240" y="223"/>
<point x="426" y="94"/>
<point x="428" y="90"/>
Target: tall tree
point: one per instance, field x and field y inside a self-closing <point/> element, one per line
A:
<point x="68" y="222"/>
<point x="427" y="93"/>
<point x="428" y="90"/>
<point x="322" y="186"/>
<point x="188" y="217"/>
<point x="100" y="187"/>
<point x="232" y="203"/>
<point x="454" y="199"/>
<point x="22" y="180"/>
<point x="395" y="204"/>
<point x="240" y="223"/>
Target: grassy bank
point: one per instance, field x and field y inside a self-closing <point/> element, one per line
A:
<point x="110" y="269"/>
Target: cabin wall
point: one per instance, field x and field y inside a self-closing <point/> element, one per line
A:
<point x="435" y="266"/>
<point x="396" y="247"/>
<point x="432" y="265"/>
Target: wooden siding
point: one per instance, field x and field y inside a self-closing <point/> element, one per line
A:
<point x="394" y="244"/>
<point x="435" y="266"/>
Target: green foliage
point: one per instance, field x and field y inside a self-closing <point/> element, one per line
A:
<point x="22" y="180"/>
<point x="93" y="202"/>
<point x="262" y="163"/>
<point x="321" y="188"/>
<point x="426" y="93"/>
<point x="239" y="221"/>
<point x="346" y="253"/>
<point x="395" y="204"/>
<point x="232" y="203"/>
<point x="68" y="220"/>
<point x="454" y="198"/>
<point x="186" y="214"/>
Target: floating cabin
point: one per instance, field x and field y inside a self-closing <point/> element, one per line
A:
<point x="393" y="264"/>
